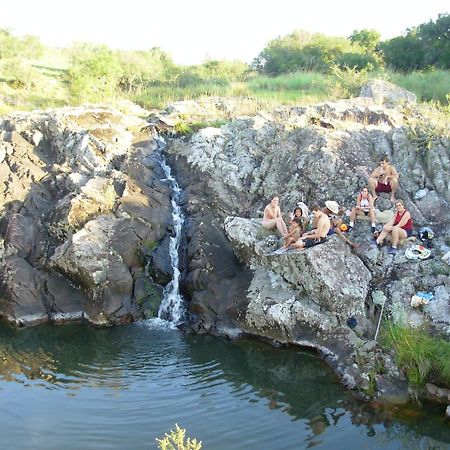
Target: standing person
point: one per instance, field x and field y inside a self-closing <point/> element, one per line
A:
<point x="319" y="234"/>
<point x="384" y="179"/>
<point x="272" y="217"/>
<point x="399" y="227"/>
<point x="364" y="206"/>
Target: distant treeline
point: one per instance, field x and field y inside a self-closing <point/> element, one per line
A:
<point x="96" y="72"/>
<point x="422" y="47"/>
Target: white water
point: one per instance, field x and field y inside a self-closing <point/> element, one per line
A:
<point x="172" y="305"/>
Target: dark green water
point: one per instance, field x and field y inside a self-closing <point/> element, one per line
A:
<point x="73" y="387"/>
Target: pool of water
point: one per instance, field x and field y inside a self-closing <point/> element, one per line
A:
<point x="74" y="387"/>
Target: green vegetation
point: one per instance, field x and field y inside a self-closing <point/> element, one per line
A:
<point x="176" y="441"/>
<point x="421" y="357"/>
<point x="298" y="68"/>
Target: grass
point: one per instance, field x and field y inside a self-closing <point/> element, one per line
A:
<point x="48" y="86"/>
<point x="421" y="357"/>
<point x="432" y="85"/>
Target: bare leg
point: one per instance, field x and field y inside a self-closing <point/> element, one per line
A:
<point x="372" y="184"/>
<point x="397" y="234"/>
<point x="373" y="219"/>
<point x="344" y="238"/>
<point x="270" y="224"/>
<point x="383" y="235"/>
<point x="394" y="187"/>
<point x="298" y="245"/>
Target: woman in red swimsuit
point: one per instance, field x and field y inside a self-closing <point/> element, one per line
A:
<point x="399" y="227"/>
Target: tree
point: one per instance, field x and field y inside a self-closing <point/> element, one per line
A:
<point x="367" y="39"/>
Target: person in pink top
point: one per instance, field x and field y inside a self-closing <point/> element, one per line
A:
<point x="399" y="227"/>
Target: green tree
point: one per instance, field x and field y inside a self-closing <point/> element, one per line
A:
<point x="405" y="53"/>
<point x="94" y="73"/>
<point x="367" y="39"/>
<point x="301" y="51"/>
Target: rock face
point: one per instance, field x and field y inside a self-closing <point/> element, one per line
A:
<point x="82" y="209"/>
<point x="313" y="154"/>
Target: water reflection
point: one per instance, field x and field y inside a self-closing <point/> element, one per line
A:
<point x="189" y="373"/>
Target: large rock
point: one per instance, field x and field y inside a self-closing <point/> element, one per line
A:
<point x="386" y="93"/>
<point x="81" y="197"/>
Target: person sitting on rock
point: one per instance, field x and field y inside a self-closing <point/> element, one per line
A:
<point x="364" y="207"/>
<point x="319" y="234"/>
<point x="384" y="179"/>
<point x="399" y="227"/>
<point x="303" y="222"/>
<point x="295" y="231"/>
<point x="272" y="217"/>
<point x="335" y="213"/>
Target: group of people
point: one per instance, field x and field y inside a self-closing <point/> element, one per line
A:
<point x="328" y="220"/>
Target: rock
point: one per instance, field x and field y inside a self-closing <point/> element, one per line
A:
<point x="330" y="274"/>
<point x="78" y="200"/>
<point x="385" y="93"/>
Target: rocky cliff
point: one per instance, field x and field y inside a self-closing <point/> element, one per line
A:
<point x="313" y="154"/>
<point x="85" y="222"/>
<point x="82" y="209"/>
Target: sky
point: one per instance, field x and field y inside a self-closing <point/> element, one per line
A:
<point x="195" y="30"/>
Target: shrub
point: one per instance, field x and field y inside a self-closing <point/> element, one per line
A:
<point x="176" y="441"/>
<point x="421" y="357"/>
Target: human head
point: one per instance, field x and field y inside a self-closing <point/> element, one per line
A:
<point x="315" y="209"/>
<point x="297" y="221"/>
<point x="399" y="205"/>
<point x="298" y="212"/>
<point x="384" y="161"/>
<point x="365" y="190"/>
<point x="275" y="201"/>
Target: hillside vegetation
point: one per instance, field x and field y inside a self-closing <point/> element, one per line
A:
<point x="298" y="68"/>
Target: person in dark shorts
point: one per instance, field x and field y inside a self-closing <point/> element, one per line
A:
<point x="364" y="207"/>
<point x="319" y="234"/>
<point x="384" y="179"/>
<point x="399" y="227"/>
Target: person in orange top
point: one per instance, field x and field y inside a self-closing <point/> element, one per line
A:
<point x="399" y="227"/>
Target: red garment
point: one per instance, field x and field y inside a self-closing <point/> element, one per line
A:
<point x="381" y="187"/>
<point x="408" y="225"/>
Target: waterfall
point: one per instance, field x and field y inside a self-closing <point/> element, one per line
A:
<point x="172" y="306"/>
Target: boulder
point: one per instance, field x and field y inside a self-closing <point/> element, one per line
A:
<point x="385" y="93"/>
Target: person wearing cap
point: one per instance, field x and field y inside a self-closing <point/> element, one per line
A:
<point x="384" y="179"/>
<point x="334" y="212"/>
<point x="272" y="217"/>
<point x="319" y="234"/>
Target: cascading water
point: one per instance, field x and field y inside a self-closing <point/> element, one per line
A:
<point x="172" y="306"/>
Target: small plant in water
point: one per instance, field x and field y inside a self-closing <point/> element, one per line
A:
<point x="175" y="440"/>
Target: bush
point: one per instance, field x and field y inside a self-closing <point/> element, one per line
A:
<point x="421" y="357"/>
<point x="20" y="74"/>
<point x="176" y="441"/>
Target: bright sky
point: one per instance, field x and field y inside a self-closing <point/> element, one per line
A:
<point x="193" y="30"/>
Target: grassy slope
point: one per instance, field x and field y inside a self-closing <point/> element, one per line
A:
<point x="49" y="87"/>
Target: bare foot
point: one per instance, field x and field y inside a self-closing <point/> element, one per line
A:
<point x="355" y="245"/>
<point x="392" y="199"/>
